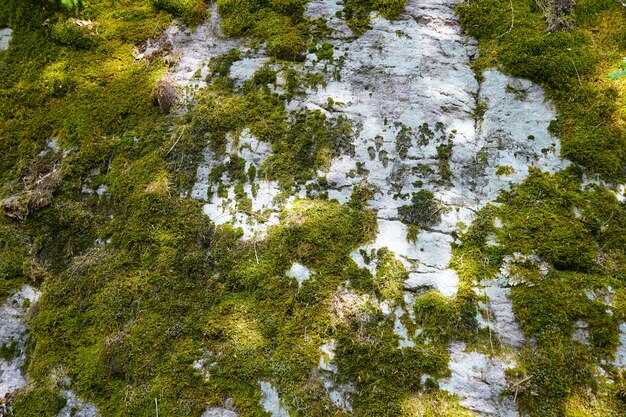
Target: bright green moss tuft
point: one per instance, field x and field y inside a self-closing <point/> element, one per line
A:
<point x="192" y="12"/>
<point x="279" y="23"/>
<point x="13" y="256"/>
<point x="69" y="33"/>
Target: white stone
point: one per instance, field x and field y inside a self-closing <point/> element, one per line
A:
<point x="13" y="330"/>
<point x="400" y="330"/>
<point x="245" y="68"/>
<point x="194" y="49"/>
<point x="478" y="380"/>
<point x="271" y="401"/>
<point x="501" y="317"/>
<point x="219" y="412"/>
<point x="299" y="272"/>
<point x="328" y="356"/>
<point x="620" y="355"/>
<point x="75" y="407"/>
<point x="5" y="38"/>
<point x="581" y="332"/>
<point x="445" y="281"/>
<point x="340" y="395"/>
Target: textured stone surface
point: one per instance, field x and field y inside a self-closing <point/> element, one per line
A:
<point x="75" y="407"/>
<point x="620" y="355"/>
<point x="13" y="333"/>
<point x="299" y="272"/>
<point x="478" y="380"/>
<point x="500" y="316"/>
<point x="219" y="412"/>
<point x="271" y="401"/>
<point x="5" y="38"/>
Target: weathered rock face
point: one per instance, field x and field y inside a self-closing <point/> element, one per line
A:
<point x="271" y="401"/>
<point x="421" y="120"/>
<point x="13" y="337"/>
<point x="620" y="356"/>
<point x="425" y="132"/>
<point x="479" y="381"/>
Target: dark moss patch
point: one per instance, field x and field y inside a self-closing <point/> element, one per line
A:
<point x="280" y="24"/>
<point x="423" y="211"/>
<point x="39" y="402"/>
<point x="192" y="12"/>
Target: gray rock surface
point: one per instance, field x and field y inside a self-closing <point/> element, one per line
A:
<point x="271" y="401"/>
<point x="5" y="38"/>
<point x="75" y="407"/>
<point x="219" y="412"/>
<point x="13" y="333"/>
<point x="620" y="355"/>
<point x="479" y="380"/>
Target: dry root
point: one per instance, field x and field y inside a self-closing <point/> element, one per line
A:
<point x="558" y="13"/>
<point x="37" y="195"/>
<point x="167" y="94"/>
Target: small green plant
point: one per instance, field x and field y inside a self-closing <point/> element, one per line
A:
<point x="72" y="4"/>
<point x="504" y="170"/>
<point x="619" y="73"/>
<point x="192" y="12"/>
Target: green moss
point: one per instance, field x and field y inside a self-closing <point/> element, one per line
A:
<point x="264" y="76"/>
<point x="504" y="170"/>
<point x="67" y="32"/>
<point x="279" y="23"/>
<point x="383" y="375"/>
<point x="412" y="233"/>
<point x="576" y="231"/>
<point x="436" y="404"/>
<point x="9" y="351"/>
<point x="390" y="276"/>
<point x="444" y="152"/>
<point x="192" y="12"/>
<point x="13" y="256"/>
<point x="220" y="65"/>
<point x="39" y="402"/>
<point x="325" y="52"/>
